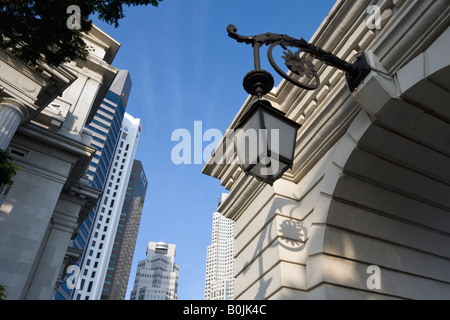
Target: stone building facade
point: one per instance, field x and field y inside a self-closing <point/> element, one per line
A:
<point x="43" y="111"/>
<point x="364" y="213"/>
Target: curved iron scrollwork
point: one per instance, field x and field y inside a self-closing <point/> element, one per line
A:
<point x="300" y="65"/>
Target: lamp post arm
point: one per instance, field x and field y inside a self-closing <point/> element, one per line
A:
<point x="287" y="41"/>
<point x="356" y="72"/>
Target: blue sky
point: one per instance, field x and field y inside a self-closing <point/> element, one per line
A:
<point x="185" y="68"/>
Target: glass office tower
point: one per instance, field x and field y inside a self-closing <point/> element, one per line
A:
<point x="105" y="128"/>
<point x="106" y="131"/>
<point x="118" y="273"/>
<point x="99" y="249"/>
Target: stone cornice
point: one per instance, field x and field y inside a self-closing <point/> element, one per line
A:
<point x="109" y="44"/>
<point x="72" y="151"/>
<point x="83" y="195"/>
<point x="53" y="142"/>
<point x="414" y="27"/>
<point x="101" y="65"/>
<point x="39" y="85"/>
<point x="35" y="86"/>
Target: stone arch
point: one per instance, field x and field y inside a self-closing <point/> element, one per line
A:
<point x="391" y="205"/>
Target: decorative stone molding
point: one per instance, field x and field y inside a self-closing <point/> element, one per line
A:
<point x="36" y="86"/>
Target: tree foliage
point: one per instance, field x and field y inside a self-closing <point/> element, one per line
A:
<point x="3" y="292"/>
<point x="7" y="168"/>
<point x="37" y="29"/>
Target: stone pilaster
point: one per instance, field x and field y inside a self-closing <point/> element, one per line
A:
<point x="63" y="224"/>
<point x="12" y="114"/>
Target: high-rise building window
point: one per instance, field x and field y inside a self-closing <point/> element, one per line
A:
<point x="219" y="265"/>
<point x="159" y="266"/>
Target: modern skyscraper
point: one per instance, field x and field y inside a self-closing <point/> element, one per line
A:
<point x="105" y="127"/>
<point x="105" y="130"/>
<point x="219" y="278"/>
<point x="118" y="272"/>
<point x="157" y="276"/>
<point x="101" y="239"/>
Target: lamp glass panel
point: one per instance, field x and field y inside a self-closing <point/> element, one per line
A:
<point x="281" y="134"/>
<point x="268" y="168"/>
<point x="247" y="141"/>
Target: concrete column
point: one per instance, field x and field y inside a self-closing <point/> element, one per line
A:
<point x="64" y="222"/>
<point x="12" y="114"/>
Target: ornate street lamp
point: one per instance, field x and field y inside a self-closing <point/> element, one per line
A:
<point x="265" y="138"/>
<point x="259" y="146"/>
